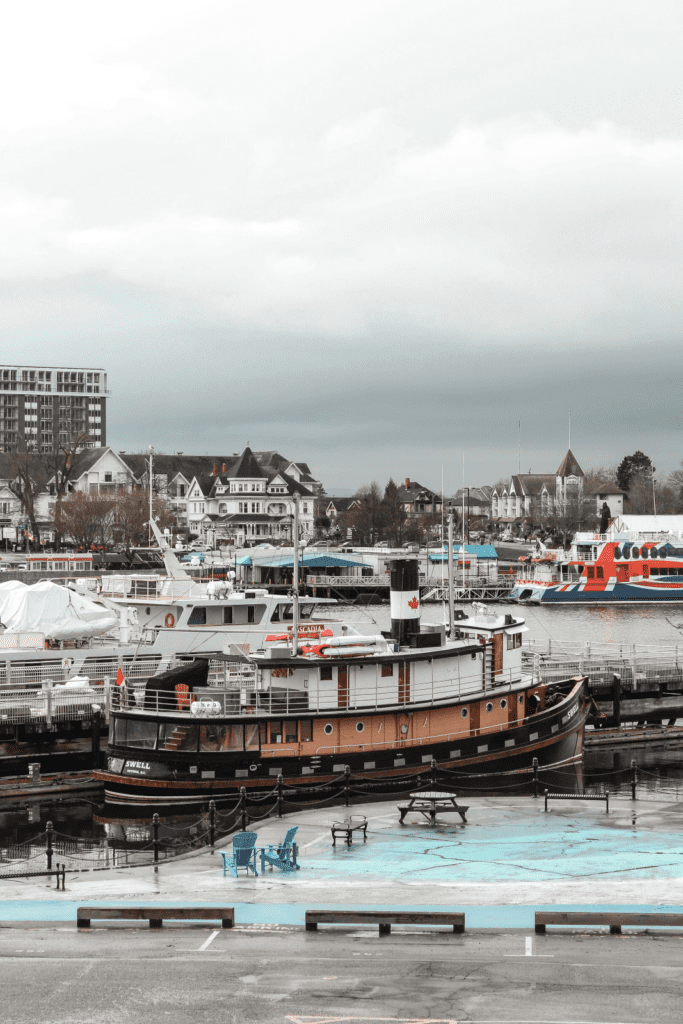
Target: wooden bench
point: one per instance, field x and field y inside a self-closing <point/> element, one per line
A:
<point x="614" y="919"/>
<point x="156" y="915"/>
<point x="346" y="828"/>
<point x="383" y="918"/>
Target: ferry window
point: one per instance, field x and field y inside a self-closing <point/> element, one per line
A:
<point x="305" y="611"/>
<point x="227" y="615"/>
<point x="635" y="553"/>
<point x="518" y="639"/>
<point x="489" y="706"/>
<point x="173" y="736"/>
<point x="262" y="732"/>
<point x="464" y="712"/>
<point x="600" y="572"/>
<point x="250" y="613"/>
<point x="251" y="736"/>
<point x="654" y="553"/>
<point x="221" y="737"/>
<point x="290" y="732"/>
<point x="590" y="572"/>
<point x="276" y="732"/>
<point x="275" y="617"/>
<point x="326" y="672"/>
<point x="617" y="552"/>
<point x="306" y="730"/>
<point x="120" y="732"/>
<point x="511" y="643"/>
<point x="387" y="670"/>
<point x="141" y="734"/>
<point x="197" y="617"/>
<point x="503" y="703"/>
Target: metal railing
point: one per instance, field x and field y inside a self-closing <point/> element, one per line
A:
<point x="50" y="706"/>
<point x="349" y="581"/>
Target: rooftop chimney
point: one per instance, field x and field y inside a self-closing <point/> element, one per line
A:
<point x="215" y="469"/>
<point x="407" y="483"/>
<point x="223" y="469"/>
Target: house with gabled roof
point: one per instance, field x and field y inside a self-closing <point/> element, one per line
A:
<point x="418" y="500"/>
<point x="533" y="495"/>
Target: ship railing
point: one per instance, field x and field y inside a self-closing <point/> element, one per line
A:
<point x="568" y="649"/>
<point x="48" y="706"/>
<point x="249" y="697"/>
<point x="349" y="581"/>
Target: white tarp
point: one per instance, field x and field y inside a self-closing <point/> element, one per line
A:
<point x="55" y="611"/>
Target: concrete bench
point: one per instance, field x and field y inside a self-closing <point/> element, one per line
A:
<point x="614" y="919"/>
<point x="155" y="915"/>
<point x="383" y="918"/>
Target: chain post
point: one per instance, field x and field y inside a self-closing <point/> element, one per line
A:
<point x="243" y="805"/>
<point x="347" y="795"/>
<point x="432" y="768"/>
<point x="534" y="764"/>
<point x="155" y="827"/>
<point x="279" y="796"/>
<point x="634" y="778"/>
<point x="48" y="851"/>
<point x="212" y="823"/>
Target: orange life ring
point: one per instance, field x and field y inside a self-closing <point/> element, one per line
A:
<point x="169" y="620"/>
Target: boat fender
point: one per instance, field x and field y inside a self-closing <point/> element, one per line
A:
<point x="169" y="620"/>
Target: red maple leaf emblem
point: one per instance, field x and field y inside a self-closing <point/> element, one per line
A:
<point x="414" y="603"/>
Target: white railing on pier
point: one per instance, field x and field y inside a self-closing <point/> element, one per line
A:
<point x="348" y="581"/>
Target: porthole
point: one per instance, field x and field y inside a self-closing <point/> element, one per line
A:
<point x="489" y="706"/>
<point x="328" y="729"/>
<point x="464" y="712"/>
<point x="360" y="726"/>
<point x="148" y="611"/>
<point x="503" y="703"/>
<point x="521" y="698"/>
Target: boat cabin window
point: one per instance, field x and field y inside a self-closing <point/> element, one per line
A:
<point x="227" y="615"/>
<point x="251" y="736"/>
<point x="287" y="612"/>
<point x="240" y="614"/>
<point x="635" y="553"/>
<point x="178" y="737"/>
<point x="387" y="670"/>
<point x="197" y="617"/>
<point x="250" y="613"/>
<point x="306" y="733"/>
<point x="275" y="617"/>
<point x="514" y="640"/>
<point x="290" y="732"/>
<point x="221" y="737"/>
<point x="275" y="732"/>
<point x="130" y="733"/>
<point x="325" y="671"/>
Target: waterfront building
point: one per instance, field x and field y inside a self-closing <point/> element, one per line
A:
<point x="236" y="499"/>
<point x="48" y="407"/>
<point x="530" y="496"/>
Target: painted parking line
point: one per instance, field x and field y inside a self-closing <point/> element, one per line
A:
<point x="529" y="950"/>
<point x="205" y="945"/>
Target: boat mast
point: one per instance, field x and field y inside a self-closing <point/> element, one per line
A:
<point x="295" y="578"/>
<point x="451" y="598"/>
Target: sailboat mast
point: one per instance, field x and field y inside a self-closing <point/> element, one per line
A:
<point x="451" y="597"/>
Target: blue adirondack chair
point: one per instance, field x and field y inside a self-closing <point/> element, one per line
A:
<point x="283" y="855"/>
<point x="243" y="853"/>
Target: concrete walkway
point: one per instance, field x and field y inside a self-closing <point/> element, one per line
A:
<point x="508" y="853"/>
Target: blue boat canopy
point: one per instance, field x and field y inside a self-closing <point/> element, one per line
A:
<point x="482" y="551"/>
<point x="322" y="560"/>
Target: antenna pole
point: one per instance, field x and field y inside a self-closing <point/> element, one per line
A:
<point x="295" y="579"/>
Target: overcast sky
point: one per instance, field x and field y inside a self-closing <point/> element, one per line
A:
<point x="372" y="235"/>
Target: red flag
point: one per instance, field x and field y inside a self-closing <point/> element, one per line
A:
<point x="119" y="678"/>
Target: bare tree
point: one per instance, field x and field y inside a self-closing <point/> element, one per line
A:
<point x="130" y="515"/>
<point x="28" y="479"/>
<point x="85" y="517"/>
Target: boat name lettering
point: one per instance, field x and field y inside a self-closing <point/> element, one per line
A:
<point x="138" y="764"/>
<point x="571" y="713"/>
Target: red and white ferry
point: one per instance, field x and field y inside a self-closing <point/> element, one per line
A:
<point x="624" y="568"/>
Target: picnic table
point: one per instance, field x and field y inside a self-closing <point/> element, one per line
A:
<point x="346" y="828"/>
<point x="430" y="802"/>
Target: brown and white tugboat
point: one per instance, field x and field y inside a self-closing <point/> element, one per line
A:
<point x="382" y="705"/>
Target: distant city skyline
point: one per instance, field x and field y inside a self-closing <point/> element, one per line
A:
<point x="372" y="234"/>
